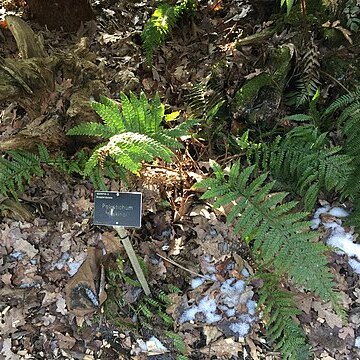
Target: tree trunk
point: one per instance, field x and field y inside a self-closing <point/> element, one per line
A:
<point x="57" y="14"/>
<point x="53" y="103"/>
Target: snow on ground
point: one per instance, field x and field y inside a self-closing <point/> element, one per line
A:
<point x="339" y="238"/>
<point x="222" y="306"/>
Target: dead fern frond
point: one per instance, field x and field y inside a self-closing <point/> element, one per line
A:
<point x="308" y="76"/>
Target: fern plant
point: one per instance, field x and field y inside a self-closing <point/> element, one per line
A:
<point x="280" y="314"/>
<point x="278" y="235"/>
<point x="161" y="24"/>
<point x="306" y="161"/>
<point x="348" y="121"/>
<point x="308" y="78"/>
<point x="205" y="98"/>
<point x="150" y="311"/>
<point x="134" y="133"/>
<point x="17" y="167"/>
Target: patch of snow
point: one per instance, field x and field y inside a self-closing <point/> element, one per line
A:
<point x="189" y="314"/>
<point x="315" y="223"/>
<point x="357" y="342"/>
<point x="251" y="306"/>
<point x="339" y="238"/>
<point x="29" y="285"/>
<point x="142" y="345"/>
<point x="196" y="282"/>
<point x="158" y="344"/>
<point x="239" y="285"/>
<point x="74" y="267"/>
<point x="344" y="241"/>
<point x="17" y="255"/>
<point x="207" y="305"/>
<point x="61" y="262"/>
<point x="245" y="272"/>
<point x="316" y="218"/>
<point x="245" y="318"/>
<point x="224" y="303"/>
<point x="338" y="212"/>
<point x="231" y="292"/>
<point x="355" y="265"/>
<point x="211" y="318"/>
<point x="321" y="210"/>
<point x="331" y="225"/>
<point x="213" y="277"/>
<point x="230" y="312"/>
<point x="226" y="285"/>
<point x="240" y="328"/>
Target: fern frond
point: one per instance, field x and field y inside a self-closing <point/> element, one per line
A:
<point x="134" y="134"/>
<point x="281" y="242"/>
<point x="167" y="319"/>
<point x="157" y="28"/>
<point x="43" y="154"/>
<point x="178" y="342"/>
<point x="16" y="169"/>
<point x="281" y="236"/>
<point x="305" y="160"/>
<point x="342" y="101"/>
<point x="280" y="315"/>
<point x="160" y="25"/>
<point x="349" y="122"/>
<point x="109" y="112"/>
<point x="92" y="129"/>
<point x="204" y="96"/>
<point x="145" y="311"/>
<point x="308" y="76"/>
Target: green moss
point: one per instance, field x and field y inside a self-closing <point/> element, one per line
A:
<point x="280" y="62"/>
<point x="266" y="88"/>
<point x="245" y="96"/>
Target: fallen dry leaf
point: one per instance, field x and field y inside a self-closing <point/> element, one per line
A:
<point x="11" y="319"/>
<point x="324" y="311"/>
<point x="6" y="351"/>
<point x="82" y="289"/>
<point x="25" y="247"/>
<point x="223" y="348"/>
<point x="212" y="333"/>
<point x="61" y="305"/>
<point x="346" y="331"/>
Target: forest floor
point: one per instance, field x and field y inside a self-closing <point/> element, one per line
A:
<point x="183" y="242"/>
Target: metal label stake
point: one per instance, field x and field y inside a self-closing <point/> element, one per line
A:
<point x="120" y="210"/>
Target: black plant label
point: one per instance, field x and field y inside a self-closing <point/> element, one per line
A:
<point x="113" y="208"/>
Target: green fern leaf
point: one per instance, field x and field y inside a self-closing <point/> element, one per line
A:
<point x="157" y="28"/>
<point x="304" y="159"/>
<point x="280" y="236"/>
<point x="342" y="101"/>
<point x="348" y="122"/>
<point x="92" y="129"/>
<point x="17" y="170"/>
<point x="134" y="135"/>
<point x="157" y="112"/>
<point x="280" y="314"/>
<point x="160" y="25"/>
<point x="110" y="113"/>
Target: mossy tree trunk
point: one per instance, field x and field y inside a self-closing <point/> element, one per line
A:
<point x="53" y="90"/>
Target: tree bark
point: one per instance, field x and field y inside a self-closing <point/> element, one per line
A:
<point x="53" y="104"/>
